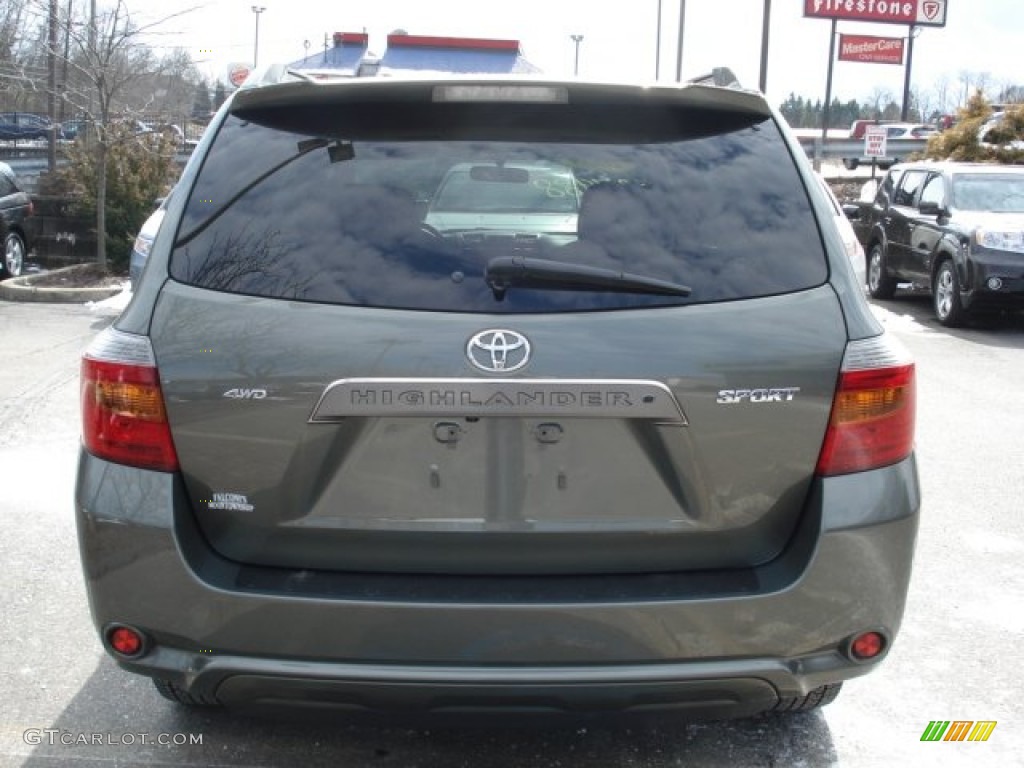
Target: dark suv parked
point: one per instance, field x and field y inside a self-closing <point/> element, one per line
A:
<point x="26" y="126"/>
<point x="956" y="229"/>
<point x="15" y="209"/>
<point x="646" y="448"/>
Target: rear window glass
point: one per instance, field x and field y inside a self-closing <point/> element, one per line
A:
<point x="413" y="222"/>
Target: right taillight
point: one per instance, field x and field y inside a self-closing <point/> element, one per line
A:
<point x="123" y="415"/>
<point x="872" y="421"/>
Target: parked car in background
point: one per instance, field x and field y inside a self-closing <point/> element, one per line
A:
<point x="25" y="126"/>
<point x="144" y="242"/>
<point x="896" y="151"/>
<point x="910" y="131"/>
<point x="337" y="458"/>
<point x="956" y="229"/>
<point x="75" y="128"/>
<point x="854" y="250"/>
<point x="15" y="209"/>
<point x="998" y="132"/>
<point x="859" y="127"/>
<point x="173" y="131"/>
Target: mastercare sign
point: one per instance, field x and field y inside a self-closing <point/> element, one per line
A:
<point x="877" y="50"/>
<point x="929" y="13"/>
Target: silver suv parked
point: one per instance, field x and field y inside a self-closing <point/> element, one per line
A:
<point x="338" y="457"/>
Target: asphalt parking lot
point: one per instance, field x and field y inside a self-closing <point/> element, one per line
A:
<point x="958" y="656"/>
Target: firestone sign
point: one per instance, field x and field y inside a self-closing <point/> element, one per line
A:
<point x="924" y="13"/>
<point x="876" y="50"/>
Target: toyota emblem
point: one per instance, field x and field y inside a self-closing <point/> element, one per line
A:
<point x="498" y="351"/>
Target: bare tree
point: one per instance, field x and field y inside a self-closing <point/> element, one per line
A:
<point x="878" y="100"/>
<point x="970" y="82"/>
<point x="1011" y="93"/>
<point x="105" y="57"/>
<point x="22" y="55"/>
<point x="983" y="82"/>
<point x="921" y="102"/>
<point x="941" y="89"/>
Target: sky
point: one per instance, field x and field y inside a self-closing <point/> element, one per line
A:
<point x="619" y="38"/>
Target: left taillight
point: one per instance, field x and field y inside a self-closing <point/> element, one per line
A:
<point x="123" y="414"/>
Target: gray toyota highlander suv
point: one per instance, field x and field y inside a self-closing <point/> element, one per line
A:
<point x="338" y="456"/>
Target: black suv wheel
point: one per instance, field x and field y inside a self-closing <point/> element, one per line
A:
<point x="880" y="284"/>
<point x="946" y="296"/>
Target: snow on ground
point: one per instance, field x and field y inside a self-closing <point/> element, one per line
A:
<point x="116" y="302"/>
<point x="892" y="321"/>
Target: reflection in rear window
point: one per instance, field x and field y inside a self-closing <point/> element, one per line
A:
<point x="413" y="223"/>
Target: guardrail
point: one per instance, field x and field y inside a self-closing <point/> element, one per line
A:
<point x="11" y="151"/>
<point x="834" y="149"/>
<point x="30" y="161"/>
<point x="814" y="147"/>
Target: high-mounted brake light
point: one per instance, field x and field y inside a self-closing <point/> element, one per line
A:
<point x="123" y="416"/>
<point x="872" y="421"/>
<point x="523" y="94"/>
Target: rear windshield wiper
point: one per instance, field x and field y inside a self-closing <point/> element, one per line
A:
<point x="504" y="272"/>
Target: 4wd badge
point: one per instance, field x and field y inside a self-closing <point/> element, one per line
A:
<point x="242" y="393"/>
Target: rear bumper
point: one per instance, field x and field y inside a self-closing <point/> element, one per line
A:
<point x="705" y="689"/>
<point x="722" y="643"/>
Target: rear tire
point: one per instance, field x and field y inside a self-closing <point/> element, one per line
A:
<point x="179" y="695"/>
<point x="946" y="296"/>
<point x="880" y="284"/>
<point x="819" y="697"/>
<point x="850" y="163"/>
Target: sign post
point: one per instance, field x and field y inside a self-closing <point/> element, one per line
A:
<point x="875" y="139"/>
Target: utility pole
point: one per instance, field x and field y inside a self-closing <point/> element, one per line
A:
<point x="51" y="87"/>
<point x="765" y="30"/>
<point x="825" y="116"/>
<point x="257" y="9"/>
<point x="577" y="39"/>
<point x="657" y="46"/>
<point x="679" y="51"/>
<point x="911" y="34"/>
<point x="64" y="62"/>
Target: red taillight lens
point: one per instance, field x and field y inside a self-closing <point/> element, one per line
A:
<point x="123" y="416"/>
<point x="872" y="421"/>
